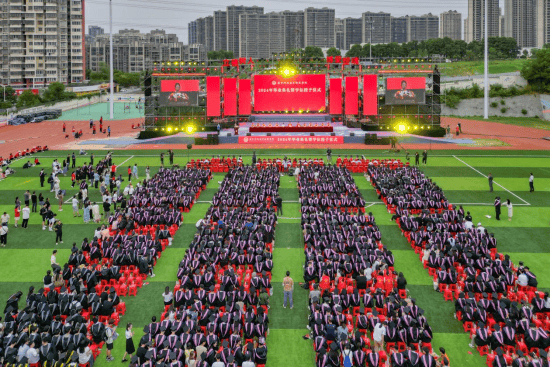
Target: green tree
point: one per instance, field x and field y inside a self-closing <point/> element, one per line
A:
<point x="8" y="94"/>
<point x="312" y="52"/>
<point x="333" y="51"/>
<point x="537" y="71"/>
<point x="219" y="55"/>
<point x="55" y="92"/>
<point x="355" y="51"/>
<point x="28" y="99"/>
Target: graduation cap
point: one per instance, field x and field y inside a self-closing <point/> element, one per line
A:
<point x="146" y="329"/>
<point x="496" y="327"/>
<point x="134" y="360"/>
<point x="499" y="352"/>
<point x="173" y="355"/>
<point x="63" y="289"/>
<point x="543" y="354"/>
<point x="163" y="327"/>
<point x="113" y="290"/>
<point x="374" y="312"/>
<point x="333" y="346"/>
<point x="230" y="359"/>
<point x="406" y="309"/>
<point x="225" y="343"/>
<point x="212" y="318"/>
<point x="323" y="350"/>
<point x="318" y="321"/>
<point x="174" y="327"/>
<point x="520" y="353"/>
<point x="74" y="357"/>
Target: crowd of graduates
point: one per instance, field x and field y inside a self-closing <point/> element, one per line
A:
<point x="74" y="313"/>
<point x="220" y="306"/>
<point x="355" y="294"/>
<point x="497" y="301"/>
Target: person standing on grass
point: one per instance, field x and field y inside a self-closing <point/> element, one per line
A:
<point x="162" y="159"/>
<point x="3" y="235"/>
<point x="27" y="197"/>
<point x="75" y="206"/>
<point x="135" y="171"/>
<point x="42" y="176"/>
<point x="531" y="182"/>
<point x="129" y="173"/>
<point x="425" y="157"/>
<point x="171" y="156"/>
<point x="510" y="209"/>
<point x="416" y="159"/>
<point x="26" y="216"/>
<point x="279" y="203"/>
<point x="378" y="334"/>
<point x="110" y="337"/>
<point x="34" y="201"/>
<point x="490" y="179"/>
<point x="168" y="297"/>
<point x="73" y="157"/>
<point x="58" y="232"/>
<point x="288" y="288"/>
<point x="130" y="348"/>
<point x="497" y="207"/>
<point x="16" y="216"/>
<point x="106" y="211"/>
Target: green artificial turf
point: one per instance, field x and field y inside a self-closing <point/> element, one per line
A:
<point x="525" y="238"/>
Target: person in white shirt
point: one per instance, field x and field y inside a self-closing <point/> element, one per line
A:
<point x="468" y="225"/>
<point x="95" y="212"/>
<point x="248" y="362"/>
<point x="32" y="355"/>
<point x="218" y="363"/>
<point x="5" y="219"/>
<point x="378" y="334"/>
<point x="85" y="355"/>
<point x="480" y="228"/>
<point x="75" y="207"/>
<point x="26" y="215"/>
<point x="53" y="261"/>
<point x="522" y="280"/>
<point x="167" y="296"/>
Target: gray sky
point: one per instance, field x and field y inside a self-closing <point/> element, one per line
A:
<point x="174" y="15"/>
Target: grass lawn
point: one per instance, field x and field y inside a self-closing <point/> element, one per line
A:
<point x="525" y="238"/>
<point x="533" y="122"/>
<point x="467" y="68"/>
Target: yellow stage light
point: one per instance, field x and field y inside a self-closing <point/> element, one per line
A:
<point x="169" y="129"/>
<point x="401" y="128"/>
<point x="190" y="129"/>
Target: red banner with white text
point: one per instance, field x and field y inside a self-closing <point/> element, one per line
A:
<point x="370" y="94"/>
<point x="291" y="139"/>
<point x="335" y="96"/>
<point x="244" y="97"/>
<point x="352" y="95"/>
<point x="299" y="93"/>
<point x="213" y="96"/>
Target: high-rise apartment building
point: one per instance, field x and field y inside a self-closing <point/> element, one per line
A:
<point x="399" y="29"/>
<point x="319" y="27"/>
<point x="192" y="31"/>
<point x="353" y="32"/>
<point x="201" y="31"/>
<point x="377" y="26"/>
<point x="524" y="21"/>
<point x="546" y="22"/>
<point x="94" y="31"/>
<point x="294" y="29"/>
<point x="423" y="27"/>
<point x="339" y="33"/>
<point x="220" y="30"/>
<point x="450" y="25"/>
<point x="41" y="42"/>
<point x="134" y="51"/>
<point x="475" y="29"/>
<point x="233" y="12"/>
<point x="261" y="35"/>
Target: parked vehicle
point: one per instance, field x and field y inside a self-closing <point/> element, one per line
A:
<point x="38" y="119"/>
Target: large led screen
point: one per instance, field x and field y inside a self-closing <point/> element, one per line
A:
<point x="179" y="93"/>
<point x="299" y="93"/>
<point x="405" y="91"/>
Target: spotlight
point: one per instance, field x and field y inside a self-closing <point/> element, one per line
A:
<point x="169" y="129"/>
<point x="401" y="128"/>
<point x="190" y="129"/>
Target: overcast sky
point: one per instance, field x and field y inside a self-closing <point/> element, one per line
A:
<point x="174" y="15"/>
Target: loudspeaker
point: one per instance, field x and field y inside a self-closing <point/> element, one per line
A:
<point x="147" y="84"/>
<point x="228" y="134"/>
<point x="311" y="134"/>
<point x="248" y="134"/>
<point x="437" y="83"/>
<point x="351" y="134"/>
<point x="332" y="134"/>
<point x="268" y="134"/>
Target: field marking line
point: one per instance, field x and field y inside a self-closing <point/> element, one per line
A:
<point x="485" y="204"/>
<point x="496" y="183"/>
<point x="119" y="165"/>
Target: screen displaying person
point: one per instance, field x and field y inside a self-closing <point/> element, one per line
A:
<point x="405" y="94"/>
<point x="178" y="96"/>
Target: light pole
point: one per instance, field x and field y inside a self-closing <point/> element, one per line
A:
<point x="486" y="66"/>
<point x="370" y="23"/>
<point x="111" y="83"/>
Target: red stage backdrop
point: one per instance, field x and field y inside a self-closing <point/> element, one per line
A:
<point x="179" y="93"/>
<point x="230" y="96"/>
<point x="213" y="96"/>
<point x="302" y="92"/>
<point x="352" y="95"/>
<point x="335" y="96"/>
<point x="291" y="139"/>
<point x="370" y="95"/>
<point x="244" y="97"/>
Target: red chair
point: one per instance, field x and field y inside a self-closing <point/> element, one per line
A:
<point x="121" y="308"/>
<point x="484" y="350"/>
<point x="132" y="291"/>
<point x="468" y="326"/>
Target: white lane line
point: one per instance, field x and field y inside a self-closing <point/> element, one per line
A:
<point x="119" y="165"/>
<point x="486" y="204"/>
<point x="496" y="183"/>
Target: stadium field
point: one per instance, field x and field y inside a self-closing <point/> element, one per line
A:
<point x="462" y="176"/>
